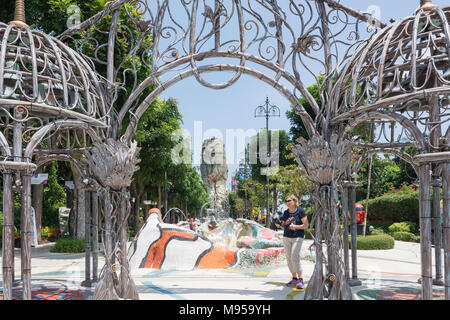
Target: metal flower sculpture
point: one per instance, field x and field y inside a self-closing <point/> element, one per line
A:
<point x="113" y="164"/>
<point x="324" y="163"/>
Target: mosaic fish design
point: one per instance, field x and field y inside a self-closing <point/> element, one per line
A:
<point x="214" y="245"/>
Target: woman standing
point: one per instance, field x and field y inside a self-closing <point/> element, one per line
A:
<point x="295" y="222"/>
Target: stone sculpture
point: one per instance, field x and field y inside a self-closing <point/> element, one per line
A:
<point x="214" y="171"/>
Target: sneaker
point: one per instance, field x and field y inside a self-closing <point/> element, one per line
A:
<point x="293" y="282"/>
<point x="300" y="284"/>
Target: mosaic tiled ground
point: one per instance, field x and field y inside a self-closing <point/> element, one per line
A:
<point x="397" y="293"/>
<point x="54" y="290"/>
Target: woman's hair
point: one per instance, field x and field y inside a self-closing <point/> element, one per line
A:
<point x="293" y="198"/>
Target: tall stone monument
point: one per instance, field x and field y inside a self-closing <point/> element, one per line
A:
<point x="214" y="171"/>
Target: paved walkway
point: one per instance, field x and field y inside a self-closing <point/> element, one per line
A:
<point x="385" y="274"/>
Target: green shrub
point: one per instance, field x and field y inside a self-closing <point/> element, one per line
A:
<point x="406" y="236"/>
<point x="70" y="245"/>
<point x="54" y="196"/>
<point x="377" y="231"/>
<point x="308" y="234"/>
<point x="374" y="242"/>
<point x="132" y="234"/>
<point x="381" y="224"/>
<point x="398" y="206"/>
<point x="405" y="226"/>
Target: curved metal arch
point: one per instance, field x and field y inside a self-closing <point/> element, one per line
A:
<point x="57" y="125"/>
<point x="281" y="73"/>
<point x="405" y="156"/>
<point x="4" y="146"/>
<point x="62" y="68"/>
<point x="176" y="210"/>
<point x="379" y="46"/>
<point x="447" y="134"/>
<point x="192" y="45"/>
<point x="309" y="123"/>
<point x="389" y="102"/>
<point x="201" y="209"/>
<point x="403" y="121"/>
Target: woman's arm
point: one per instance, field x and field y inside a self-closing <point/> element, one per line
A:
<point x="280" y="225"/>
<point x="303" y="226"/>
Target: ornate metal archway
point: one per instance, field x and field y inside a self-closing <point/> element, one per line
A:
<point x="389" y="76"/>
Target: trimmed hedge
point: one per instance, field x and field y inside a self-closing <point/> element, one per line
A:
<point x="405" y="226"/>
<point x="406" y="236"/>
<point x="69" y="245"/>
<point x="380" y="224"/>
<point x="374" y="242"/>
<point x="398" y="206"/>
<point x="377" y="231"/>
<point x="402" y="231"/>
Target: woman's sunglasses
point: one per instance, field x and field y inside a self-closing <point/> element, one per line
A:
<point x="288" y="200"/>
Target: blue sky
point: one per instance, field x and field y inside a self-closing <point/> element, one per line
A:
<point x="233" y="107"/>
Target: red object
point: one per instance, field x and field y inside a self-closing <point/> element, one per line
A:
<point x="154" y="210"/>
<point x="360" y="213"/>
<point x="157" y="211"/>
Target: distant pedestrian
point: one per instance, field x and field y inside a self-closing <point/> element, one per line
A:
<point x="192" y="224"/>
<point x="294" y="222"/>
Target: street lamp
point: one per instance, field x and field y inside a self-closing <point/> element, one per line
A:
<point x="242" y="177"/>
<point x="267" y="110"/>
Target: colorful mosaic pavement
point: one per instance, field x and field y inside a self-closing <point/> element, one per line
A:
<point x="396" y="293"/>
<point x="51" y="290"/>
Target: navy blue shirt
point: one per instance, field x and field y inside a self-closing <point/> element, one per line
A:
<point x="288" y="218"/>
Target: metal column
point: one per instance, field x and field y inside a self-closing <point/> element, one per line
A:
<point x="25" y="231"/>
<point x="425" y="232"/>
<point x="436" y="183"/>
<point x="354" y="281"/>
<point x="344" y="197"/>
<point x="8" y="236"/>
<point x="87" y="237"/>
<point x="94" y="236"/>
<point x="446" y="226"/>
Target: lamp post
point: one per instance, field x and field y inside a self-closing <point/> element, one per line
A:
<point x="267" y="110"/>
<point x="245" y="204"/>
<point x="242" y="176"/>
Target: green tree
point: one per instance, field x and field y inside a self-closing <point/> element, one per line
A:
<point x="256" y="193"/>
<point x="386" y="176"/>
<point x="154" y="137"/>
<point x="407" y="175"/>
<point x="52" y="16"/>
<point x="283" y="156"/>
<point x="187" y="188"/>
<point x="290" y="180"/>
<point x="54" y="197"/>
<point x="298" y="128"/>
<point x="157" y="136"/>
